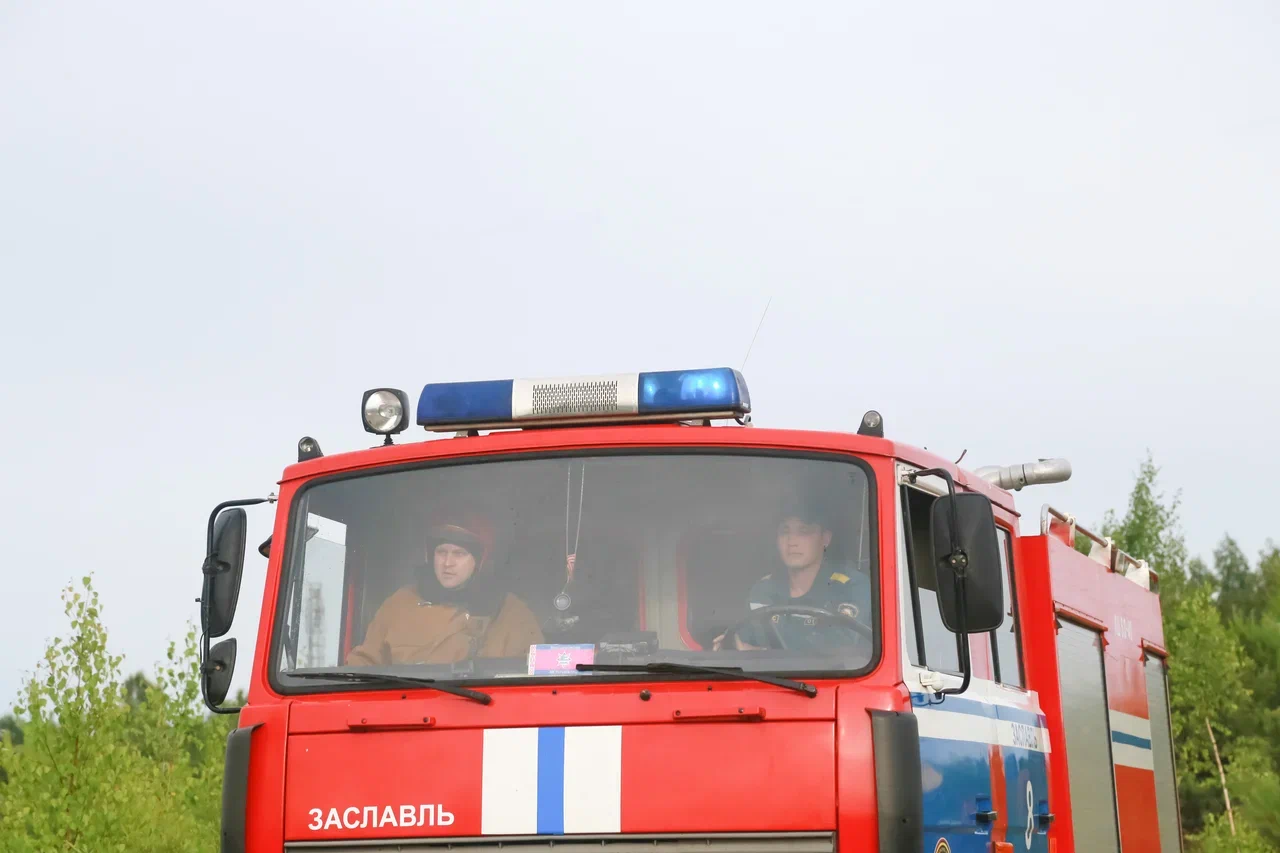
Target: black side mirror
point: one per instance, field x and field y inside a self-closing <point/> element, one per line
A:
<point x="223" y="566"/>
<point x="218" y="668"/>
<point x="966" y="557"/>
<point x="966" y="554"/>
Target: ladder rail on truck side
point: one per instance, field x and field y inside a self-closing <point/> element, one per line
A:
<point x="1100" y="669"/>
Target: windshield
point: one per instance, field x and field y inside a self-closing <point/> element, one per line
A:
<point x="526" y="568"/>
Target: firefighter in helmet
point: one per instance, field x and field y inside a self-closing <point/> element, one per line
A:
<point x="455" y="610"/>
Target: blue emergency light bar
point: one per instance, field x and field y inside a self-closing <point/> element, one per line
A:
<point x="673" y="395"/>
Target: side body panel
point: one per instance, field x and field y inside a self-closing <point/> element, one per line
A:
<point x="1086" y="612"/>
<point x="1131" y="740"/>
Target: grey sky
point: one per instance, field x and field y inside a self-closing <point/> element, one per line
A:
<point x="1020" y="230"/>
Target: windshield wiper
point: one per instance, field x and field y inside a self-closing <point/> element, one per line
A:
<point x="392" y="678"/>
<point x="729" y="671"/>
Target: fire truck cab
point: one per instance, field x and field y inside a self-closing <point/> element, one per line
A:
<point x="609" y="612"/>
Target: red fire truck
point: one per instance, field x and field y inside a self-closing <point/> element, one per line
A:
<point x="609" y="612"/>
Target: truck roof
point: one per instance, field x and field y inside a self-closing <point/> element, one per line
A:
<point x="561" y="439"/>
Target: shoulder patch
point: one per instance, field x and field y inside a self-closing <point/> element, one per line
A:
<point x="839" y="577"/>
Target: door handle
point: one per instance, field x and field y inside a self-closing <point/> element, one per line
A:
<point x="373" y="716"/>
<point x="987" y="816"/>
<point x="746" y="715"/>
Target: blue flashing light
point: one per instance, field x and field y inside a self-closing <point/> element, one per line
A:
<point x="445" y="403"/>
<point x="718" y="389"/>
<point x="673" y="394"/>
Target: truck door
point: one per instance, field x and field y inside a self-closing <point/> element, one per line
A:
<point x="983" y="754"/>
<point x="1088" y="733"/>
<point x="957" y="734"/>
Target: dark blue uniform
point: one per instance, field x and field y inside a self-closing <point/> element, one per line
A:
<point x="838" y="591"/>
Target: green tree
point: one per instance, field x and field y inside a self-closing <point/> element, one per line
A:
<point x="1205" y="683"/>
<point x="11" y="731"/>
<point x="9" y="727"/>
<point x="1256" y="624"/>
<point x="1237" y="582"/>
<point x="1269" y="579"/>
<point x="136" y="687"/>
<point x="96" y="773"/>
<point x="1255" y="788"/>
<point x="1198" y="575"/>
<point x="1217" y="836"/>
<point x="1150" y="528"/>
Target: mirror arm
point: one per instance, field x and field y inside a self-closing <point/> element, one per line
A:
<point x="959" y="559"/>
<point x="959" y="562"/>
<point x="217" y="510"/>
<point x="211" y="566"/>
<point x="966" y="668"/>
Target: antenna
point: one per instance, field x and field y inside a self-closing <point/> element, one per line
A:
<point x="763" y="314"/>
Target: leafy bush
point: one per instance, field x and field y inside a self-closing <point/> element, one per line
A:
<point x="105" y="764"/>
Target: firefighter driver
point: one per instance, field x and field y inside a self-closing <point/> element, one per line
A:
<point x="812" y="603"/>
<point x="456" y="610"/>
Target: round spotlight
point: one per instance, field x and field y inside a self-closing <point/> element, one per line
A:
<point x="385" y="411"/>
<point x="872" y="424"/>
<point x="308" y="448"/>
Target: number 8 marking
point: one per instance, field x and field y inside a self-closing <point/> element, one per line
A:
<point x="1031" y="818"/>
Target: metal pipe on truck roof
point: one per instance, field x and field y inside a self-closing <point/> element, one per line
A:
<point x="1014" y="477"/>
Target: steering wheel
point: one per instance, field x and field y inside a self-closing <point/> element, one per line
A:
<point x="818" y="614"/>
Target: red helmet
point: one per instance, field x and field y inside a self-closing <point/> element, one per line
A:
<point x="468" y="530"/>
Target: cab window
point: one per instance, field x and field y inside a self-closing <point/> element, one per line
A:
<point x="316" y="606"/>
<point x="929" y="643"/>
<point x="1006" y="641"/>
<point x="526" y="567"/>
